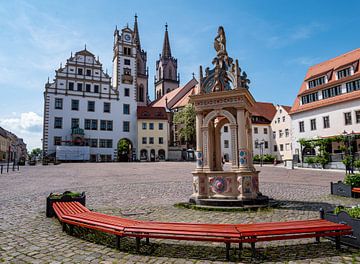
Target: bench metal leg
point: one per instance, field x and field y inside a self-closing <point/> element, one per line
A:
<point x="240" y="249"/>
<point x="253" y="250"/>
<point x="63" y="227"/>
<point x="137" y="243"/>
<point x="147" y="241"/>
<point x="227" y="251"/>
<point x="117" y="245"/>
<point x="71" y="230"/>
<point x="337" y="242"/>
<point x="317" y="239"/>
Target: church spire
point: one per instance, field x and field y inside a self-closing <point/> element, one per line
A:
<point x="166" y="52"/>
<point x="136" y="34"/>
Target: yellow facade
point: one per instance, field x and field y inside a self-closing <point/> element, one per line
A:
<point x="4" y="146"/>
<point x="152" y="139"/>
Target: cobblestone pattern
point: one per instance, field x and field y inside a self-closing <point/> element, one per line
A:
<point x="148" y="191"/>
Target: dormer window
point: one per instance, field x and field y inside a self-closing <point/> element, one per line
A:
<point x="344" y="73"/>
<point x="316" y="82"/>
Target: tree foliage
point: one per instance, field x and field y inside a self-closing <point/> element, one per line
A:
<point x="185" y="120"/>
<point x="35" y="153"/>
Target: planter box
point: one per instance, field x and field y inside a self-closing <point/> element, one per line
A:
<point x="341" y="189"/>
<point x="65" y="198"/>
<point x="343" y="218"/>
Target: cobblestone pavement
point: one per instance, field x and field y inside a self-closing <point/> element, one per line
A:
<point x="149" y="191"/>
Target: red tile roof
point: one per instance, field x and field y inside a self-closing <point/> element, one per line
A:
<point x="349" y="58"/>
<point x="149" y="112"/>
<point x="286" y="108"/>
<point x="267" y="110"/>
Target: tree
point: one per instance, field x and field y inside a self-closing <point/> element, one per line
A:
<point x="35" y="153"/>
<point x="185" y="120"/>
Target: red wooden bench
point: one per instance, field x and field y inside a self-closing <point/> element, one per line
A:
<point x="75" y="214"/>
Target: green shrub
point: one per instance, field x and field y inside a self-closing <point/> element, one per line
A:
<point x="256" y="158"/>
<point x="268" y="158"/>
<point x="352" y="179"/>
<point x="322" y="160"/>
<point x="347" y="161"/>
<point x="310" y="160"/>
<point x="357" y="164"/>
<point x="353" y="212"/>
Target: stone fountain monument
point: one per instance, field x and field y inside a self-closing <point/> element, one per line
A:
<point x="223" y="97"/>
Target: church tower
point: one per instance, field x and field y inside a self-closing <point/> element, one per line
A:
<point x="167" y="78"/>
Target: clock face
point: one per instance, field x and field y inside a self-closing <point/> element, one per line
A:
<point x="127" y="37"/>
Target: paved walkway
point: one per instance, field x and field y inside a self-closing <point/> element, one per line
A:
<point x="148" y="191"/>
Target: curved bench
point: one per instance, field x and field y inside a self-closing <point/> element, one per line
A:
<point x="75" y="214"/>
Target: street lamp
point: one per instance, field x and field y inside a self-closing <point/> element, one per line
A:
<point x="349" y="139"/>
<point x="261" y="145"/>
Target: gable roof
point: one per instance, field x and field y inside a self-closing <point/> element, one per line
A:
<point x="267" y="110"/>
<point x="148" y="112"/>
<point x="178" y="97"/>
<point x="286" y="108"/>
<point x="329" y="68"/>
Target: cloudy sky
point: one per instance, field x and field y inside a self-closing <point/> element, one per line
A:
<point x="275" y="42"/>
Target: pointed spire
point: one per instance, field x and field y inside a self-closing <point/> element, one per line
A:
<point x="136" y="34"/>
<point x="166" y="52"/>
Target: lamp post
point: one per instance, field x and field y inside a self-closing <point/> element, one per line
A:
<point x="349" y="140"/>
<point x="261" y="146"/>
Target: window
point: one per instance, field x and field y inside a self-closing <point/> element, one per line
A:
<point x="102" y="124"/>
<point x="343" y="73"/>
<point x="126" y="109"/>
<point x="312" y="124"/>
<point x="127" y="51"/>
<point x="109" y="143"/>
<point x="316" y="82"/>
<point x="126" y="61"/>
<point x="161" y="140"/>
<point x="301" y="126"/>
<point x="58" y="103"/>
<point x="88" y="72"/>
<point x="80" y="71"/>
<point x="74" y="105"/>
<point x="151" y="126"/>
<point x="353" y="86"/>
<point x="309" y="98"/>
<point x="151" y="140"/>
<point x="326" y="121"/>
<point x="74" y="123"/>
<point x="96" y="88"/>
<point x="281" y="147"/>
<point x="144" y="125"/>
<point x="274" y="134"/>
<point x="226" y="129"/>
<point x="144" y="140"/>
<point x="226" y="143"/>
<point x="94" y="124"/>
<point x="57" y="141"/>
<point x="275" y="148"/>
<point x="126" y="92"/>
<point x="265" y="130"/>
<point x="357" y="117"/>
<point x="58" y="122"/>
<point x="91" y="106"/>
<point x="105" y="143"/>
<point x="331" y="92"/>
<point x="266" y="144"/>
<point x="126" y="126"/>
<point x="79" y="87"/>
<point x="287" y="146"/>
<point x="283" y="118"/>
<point x="93" y="142"/>
<point x="127" y="71"/>
<point x="71" y="86"/>
<point x="255" y="130"/>
<point x="88" y="88"/>
<point x="161" y="126"/>
<point x="106" y="125"/>
<point x="107" y="107"/>
<point x="347" y="117"/>
<point x="286" y="132"/>
<point x="278" y="120"/>
<point x="281" y="133"/>
<point x="87" y="124"/>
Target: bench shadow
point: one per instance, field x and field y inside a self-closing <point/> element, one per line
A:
<point x="216" y="251"/>
<point x="303" y="205"/>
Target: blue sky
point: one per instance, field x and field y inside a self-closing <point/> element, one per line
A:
<point x="275" y="42"/>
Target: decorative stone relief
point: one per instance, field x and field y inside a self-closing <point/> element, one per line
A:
<point x="196" y="184"/>
<point x="246" y="184"/>
<point x="199" y="159"/>
<point x="243" y="157"/>
<point x="218" y="184"/>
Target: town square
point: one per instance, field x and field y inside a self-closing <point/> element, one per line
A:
<point x="212" y="134"/>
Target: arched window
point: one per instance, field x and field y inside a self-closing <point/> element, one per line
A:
<point x="160" y="73"/>
<point x="170" y="73"/>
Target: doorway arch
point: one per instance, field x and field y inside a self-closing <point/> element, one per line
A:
<point x="124" y="150"/>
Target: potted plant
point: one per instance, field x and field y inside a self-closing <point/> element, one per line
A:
<point x="63" y="197"/>
<point x="345" y="188"/>
<point x="349" y="216"/>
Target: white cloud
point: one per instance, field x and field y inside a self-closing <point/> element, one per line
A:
<point x="304" y="60"/>
<point x="27" y="126"/>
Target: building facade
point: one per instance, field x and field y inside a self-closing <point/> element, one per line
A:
<point x="152" y="133"/>
<point x="281" y="133"/>
<point x="328" y="104"/>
